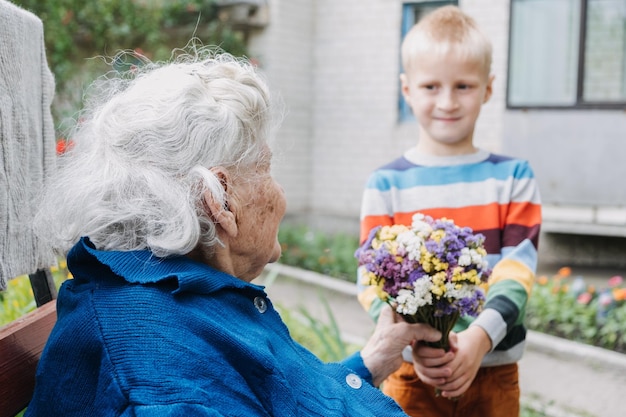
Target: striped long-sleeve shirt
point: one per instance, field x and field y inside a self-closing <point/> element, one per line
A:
<point x="494" y="195"/>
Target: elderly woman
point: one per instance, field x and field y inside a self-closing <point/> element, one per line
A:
<point x="169" y="203"/>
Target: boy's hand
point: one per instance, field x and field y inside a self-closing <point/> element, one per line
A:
<point x="432" y="365"/>
<point x="473" y="345"/>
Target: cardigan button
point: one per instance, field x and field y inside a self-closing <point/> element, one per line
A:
<point x="260" y="304"/>
<point x="354" y="381"/>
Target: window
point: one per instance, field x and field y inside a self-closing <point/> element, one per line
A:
<point x="411" y="14"/>
<point x="567" y="54"/>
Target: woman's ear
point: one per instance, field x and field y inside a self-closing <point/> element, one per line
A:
<point x="221" y="212"/>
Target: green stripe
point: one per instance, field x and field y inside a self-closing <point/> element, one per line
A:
<point x="515" y="293"/>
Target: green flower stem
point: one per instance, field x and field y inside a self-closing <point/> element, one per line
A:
<point x="444" y="324"/>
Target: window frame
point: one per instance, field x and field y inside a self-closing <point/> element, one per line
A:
<point x="580" y="104"/>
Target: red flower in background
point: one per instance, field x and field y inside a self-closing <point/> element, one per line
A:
<point x="615" y="281"/>
<point x="63" y="146"/>
<point x="585" y="298"/>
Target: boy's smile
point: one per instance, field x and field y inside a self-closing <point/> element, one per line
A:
<point x="446" y="92"/>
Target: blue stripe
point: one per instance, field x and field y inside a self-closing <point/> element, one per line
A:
<point x="525" y="253"/>
<point x="401" y="173"/>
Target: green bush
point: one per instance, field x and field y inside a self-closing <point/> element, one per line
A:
<point x="567" y="307"/>
<point x="74" y="29"/>
<point x="77" y="30"/>
<point x="332" y="255"/>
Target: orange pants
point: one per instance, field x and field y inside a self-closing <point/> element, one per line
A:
<point x="493" y="393"/>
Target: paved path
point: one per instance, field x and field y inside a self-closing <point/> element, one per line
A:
<point x="565" y="379"/>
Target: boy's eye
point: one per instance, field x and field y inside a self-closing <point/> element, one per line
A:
<point x="464" y="86"/>
<point x="429" y="86"/>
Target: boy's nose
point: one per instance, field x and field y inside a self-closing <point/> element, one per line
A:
<point x="447" y="100"/>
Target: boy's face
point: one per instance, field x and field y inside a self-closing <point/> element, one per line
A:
<point x="446" y="93"/>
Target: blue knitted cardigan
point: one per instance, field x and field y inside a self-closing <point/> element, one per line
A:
<point x="143" y="336"/>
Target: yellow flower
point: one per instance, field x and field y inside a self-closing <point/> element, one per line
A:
<point x="437" y="235"/>
<point x="389" y="233"/>
<point x="369" y="278"/>
<point x="439" y="278"/>
<point x="426" y="260"/>
<point x="398" y="228"/>
<point x="392" y="247"/>
<point x="471" y="276"/>
<point x="381" y="294"/>
<point x="437" y="290"/>
<point x="439" y="266"/>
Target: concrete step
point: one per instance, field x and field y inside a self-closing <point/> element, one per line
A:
<point x="560" y="377"/>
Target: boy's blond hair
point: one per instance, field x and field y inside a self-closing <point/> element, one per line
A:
<point x="443" y="30"/>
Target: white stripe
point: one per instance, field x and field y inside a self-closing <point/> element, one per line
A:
<point x="449" y="196"/>
<point x="492" y="322"/>
<point x="504" y="357"/>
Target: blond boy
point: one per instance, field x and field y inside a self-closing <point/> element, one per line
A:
<point x="446" y="80"/>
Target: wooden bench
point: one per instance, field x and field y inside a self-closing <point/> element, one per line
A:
<point x="21" y="344"/>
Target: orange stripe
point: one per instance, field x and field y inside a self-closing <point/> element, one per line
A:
<point x="484" y="217"/>
<point x="525" y="214"/>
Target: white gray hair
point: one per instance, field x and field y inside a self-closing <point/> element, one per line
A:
<point x="143" y="149"/>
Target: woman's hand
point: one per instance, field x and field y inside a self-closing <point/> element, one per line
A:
<point x="382" y="354"/>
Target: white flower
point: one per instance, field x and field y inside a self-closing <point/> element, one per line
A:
<point x="466" y="258"/>
<point x="421" y="289"/>
<point x="407" y="302"/>
<point x="465" y="291"/>
<point x="411" y="243"/>
<point x="477" y="258"/>
<point x="419" y="226"/>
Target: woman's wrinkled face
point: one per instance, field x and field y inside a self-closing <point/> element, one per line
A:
<point x="262" y="205"/>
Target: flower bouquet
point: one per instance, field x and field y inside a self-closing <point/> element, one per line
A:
<point x="431" y="272"/>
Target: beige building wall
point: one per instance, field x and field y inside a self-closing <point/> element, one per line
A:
<point x="284" y="50"/>
<point x="335" y="63"/>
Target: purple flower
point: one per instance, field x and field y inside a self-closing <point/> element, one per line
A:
<point x="442" y="289"/>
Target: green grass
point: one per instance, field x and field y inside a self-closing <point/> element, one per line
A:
<point x="18" y="298"/>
